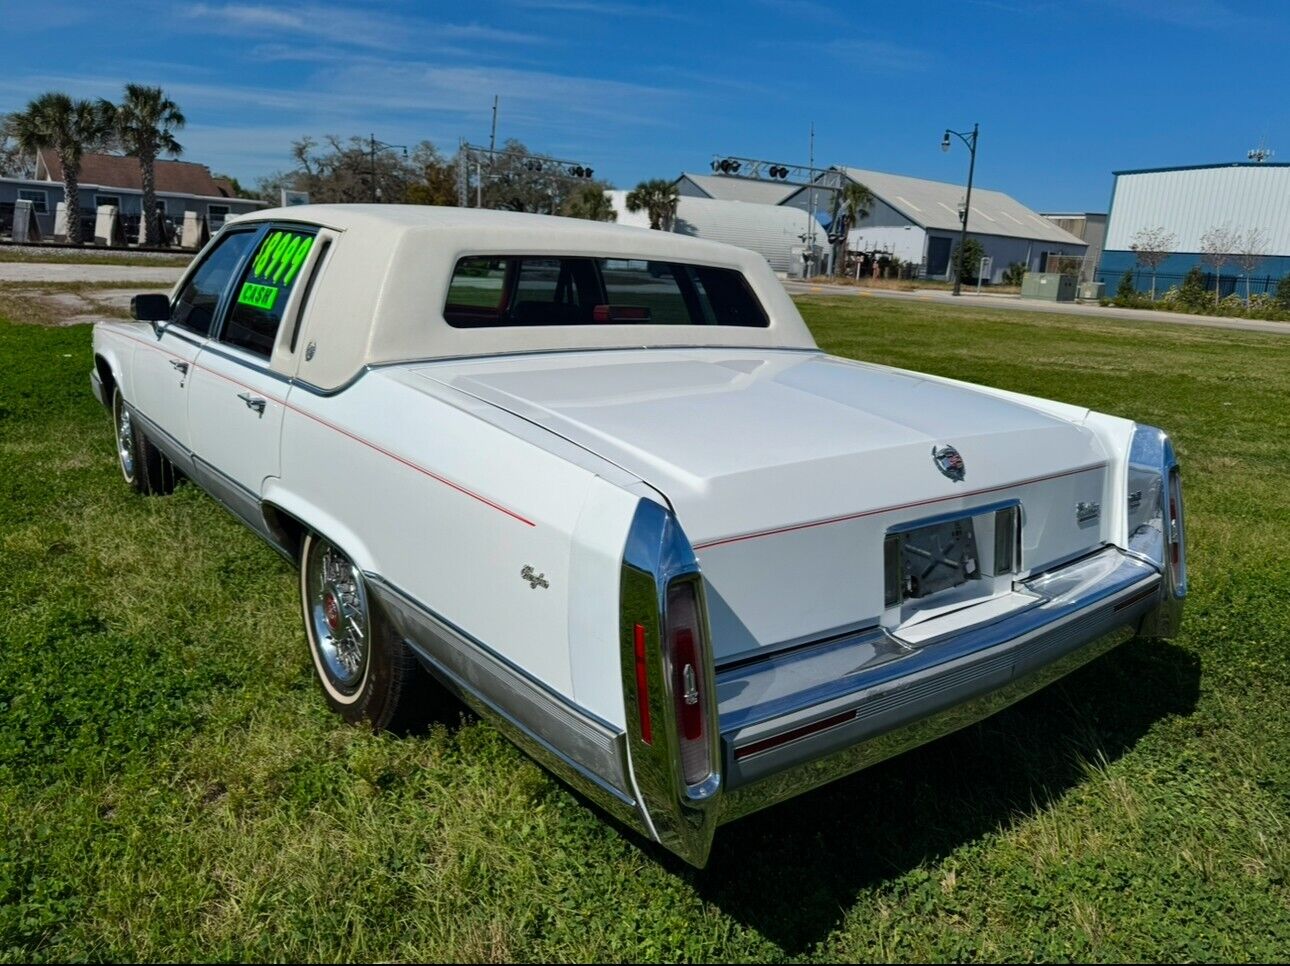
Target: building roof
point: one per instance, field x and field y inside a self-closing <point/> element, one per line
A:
<point x="122" y="171"/>
<point x="934" y="204"/>
<point x="1205" y="167"/>
<point x="733" y="188"/>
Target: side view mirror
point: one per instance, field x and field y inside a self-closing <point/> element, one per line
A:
<point x="150" y="308"/>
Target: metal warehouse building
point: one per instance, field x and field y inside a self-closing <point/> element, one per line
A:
<point x="918" y="221"/>
<point x="1188" y="202"/>
<point x="726" y="188"/>
<point x="779" y="233"/>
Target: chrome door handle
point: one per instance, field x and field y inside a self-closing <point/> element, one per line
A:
<point x="252" y="402"/>
<point x="181" y="366"/>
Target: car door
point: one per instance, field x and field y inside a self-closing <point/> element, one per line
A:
<point x="163" y="371"/>
<point x="237" y="398"/>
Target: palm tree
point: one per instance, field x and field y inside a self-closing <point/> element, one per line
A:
<point x="145" y="122"/>
<point x="55" y="122"/>
<point x="656" y="196"/>
<point x="592" y="203"/>
<point x="857" y="202"/>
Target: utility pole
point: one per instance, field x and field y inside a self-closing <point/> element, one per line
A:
<point x="970" y="141"/>
<point x="492" y="138"/>
<point x="810" y="244"/>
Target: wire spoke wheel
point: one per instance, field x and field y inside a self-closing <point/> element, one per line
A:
<point x="125" y="440"/>
<point x="339" y="616"/>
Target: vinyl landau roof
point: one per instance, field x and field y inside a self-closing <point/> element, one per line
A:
<point x="380" y="296"/>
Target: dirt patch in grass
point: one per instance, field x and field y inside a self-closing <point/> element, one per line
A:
<point x="69" y="303"/>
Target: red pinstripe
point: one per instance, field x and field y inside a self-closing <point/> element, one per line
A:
<point x="888" y="509"/>
<point x="334" y="428"/>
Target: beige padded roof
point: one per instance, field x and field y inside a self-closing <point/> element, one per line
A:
<point x="380" y="296"/>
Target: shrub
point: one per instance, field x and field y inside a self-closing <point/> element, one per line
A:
<point x="1282" y="298"/>
<point x="1126" y="294"/>
<point x="1192" y="297"/>
<point x="1015" y="273"/>
<point x="969" y="263"/>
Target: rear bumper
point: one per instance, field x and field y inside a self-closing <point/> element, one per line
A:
<point x="806" y="718"/>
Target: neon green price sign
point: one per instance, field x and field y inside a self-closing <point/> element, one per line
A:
<point x="275" y="267"/>
<point x="258" y="296"/>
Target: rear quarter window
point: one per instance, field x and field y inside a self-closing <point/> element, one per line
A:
<point x="262" y="293"/>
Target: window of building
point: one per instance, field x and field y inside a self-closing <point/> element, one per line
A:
<point x="544" y="290"/>
<point x="114" y="200"/>
<point x="39" y="199"/>
<point x="215" y="215"/>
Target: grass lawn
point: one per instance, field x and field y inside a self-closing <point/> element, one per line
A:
<point x="172" y="787"/>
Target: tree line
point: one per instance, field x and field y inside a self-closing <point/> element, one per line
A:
<point x="1219" y="246"/>
<point x="330" y="170"/>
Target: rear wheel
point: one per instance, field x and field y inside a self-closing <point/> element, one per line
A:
<point x="366" y="672"/>
<point x="141" y="463"/>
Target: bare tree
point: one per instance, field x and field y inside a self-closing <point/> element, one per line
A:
<point x="1251" y="248"/>
<point x="1217" y="248"/>
<point x="1152" y="246"/>
<point x="14" y="162"/>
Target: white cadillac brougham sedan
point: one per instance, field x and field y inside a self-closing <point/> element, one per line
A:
<point x="601" y="483"/>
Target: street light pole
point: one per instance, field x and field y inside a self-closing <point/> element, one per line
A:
<point x="970" y="141"/>
<point x="373" y="144"/>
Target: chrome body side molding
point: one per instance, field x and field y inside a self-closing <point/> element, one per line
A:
<point x="588" y="753"/>
<point x="170" y="447"/>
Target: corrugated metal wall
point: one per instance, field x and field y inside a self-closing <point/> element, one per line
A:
<point x="1188" y="202"/>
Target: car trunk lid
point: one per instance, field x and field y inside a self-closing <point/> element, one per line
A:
<point x="786" y="468"/>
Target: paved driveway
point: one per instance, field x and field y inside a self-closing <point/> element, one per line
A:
<point x="81" y="272"/>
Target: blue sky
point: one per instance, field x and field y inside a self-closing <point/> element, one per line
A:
<point x="1065" y="92"/>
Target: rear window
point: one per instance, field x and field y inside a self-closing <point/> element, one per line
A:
<point x="500" y="290"/>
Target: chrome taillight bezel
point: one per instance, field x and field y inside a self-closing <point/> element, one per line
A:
<point x="1155" y="525"/>
<point x="678" y="803"/>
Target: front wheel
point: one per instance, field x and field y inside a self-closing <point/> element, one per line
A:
<point x="366" y="672"/>
<point x="141" y="463"/>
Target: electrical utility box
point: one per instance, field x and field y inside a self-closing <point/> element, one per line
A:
<point x="1050" y="286"/>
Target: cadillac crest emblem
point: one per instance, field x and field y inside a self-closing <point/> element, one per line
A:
<point x="949" y="462"/>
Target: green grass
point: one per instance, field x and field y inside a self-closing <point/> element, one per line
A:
<point x="172" y="788"/>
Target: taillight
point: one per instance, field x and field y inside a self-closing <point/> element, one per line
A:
<point x="684" y="637"/>
<point x="642" y="687"/>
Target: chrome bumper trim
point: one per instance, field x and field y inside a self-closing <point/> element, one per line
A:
<point x="777" y="749"/>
